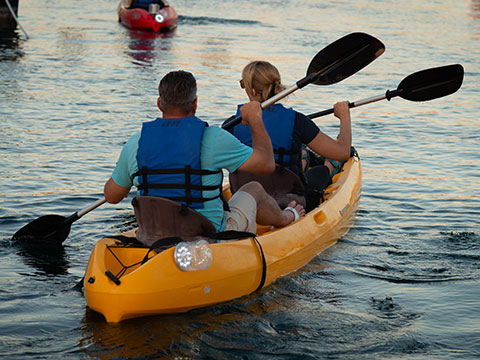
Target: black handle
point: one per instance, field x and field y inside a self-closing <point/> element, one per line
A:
<point x="112" y="277"/>
<point x="231" y="122"/>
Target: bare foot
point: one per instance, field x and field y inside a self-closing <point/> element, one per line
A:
<point x="289" y="214"/>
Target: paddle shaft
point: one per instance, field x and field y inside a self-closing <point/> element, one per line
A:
<point x="422" y="85"/>
<point x="388" y="95"/>
<point x="232" y="122"/>
<point x="270" y="101"/>
<point x="74" y="217"/>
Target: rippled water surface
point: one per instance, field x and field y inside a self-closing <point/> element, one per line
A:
<point x="403" y="283"/>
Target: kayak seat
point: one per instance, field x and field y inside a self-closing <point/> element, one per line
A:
<point x="283" y="185"/>
<point x="159" y="218"/>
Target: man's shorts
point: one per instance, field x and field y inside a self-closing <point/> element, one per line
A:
<point x="243" y="213"/>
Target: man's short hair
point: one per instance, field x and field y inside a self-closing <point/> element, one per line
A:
<point x="177" y="89"/>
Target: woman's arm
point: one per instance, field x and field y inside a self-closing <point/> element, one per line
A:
<point x="338" y="149"/>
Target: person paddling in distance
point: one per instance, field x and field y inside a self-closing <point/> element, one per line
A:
<point x="290" y="131"/>
<point x="181" y="140"/>
<point x="145" y="4"/>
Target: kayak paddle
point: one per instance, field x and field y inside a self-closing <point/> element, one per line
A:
<point x="52" y="229"/>
<point x="332" y="64"/>
<point x="422" y="85"/>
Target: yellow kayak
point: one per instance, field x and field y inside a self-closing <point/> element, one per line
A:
<point x="120" y="287"/>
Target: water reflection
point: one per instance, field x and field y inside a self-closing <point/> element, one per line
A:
<point x="475" y="8"/>
<point x="10" y="46"/>
<point x="144" y="46"/>
<point x="71" y="43"/>
<point x="47" y="260"/>
<point x="206" y="20"/>
<point x="160" y="336"/>
<point x="124" y="221"/>
<point x="214" y="53"/>
<point x="475" y="14"/>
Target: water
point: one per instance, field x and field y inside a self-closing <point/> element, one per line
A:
<point x="402" y="284"/>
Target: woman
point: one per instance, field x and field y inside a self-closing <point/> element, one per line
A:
<point x="290" y="131"/>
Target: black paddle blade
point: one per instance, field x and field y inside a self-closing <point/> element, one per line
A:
<point x="431" y="83"/>
<point x="48" y="229"/>
<point x="344" y="57"/>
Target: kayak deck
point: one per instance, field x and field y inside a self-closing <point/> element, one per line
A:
<point x="159" y="286"/>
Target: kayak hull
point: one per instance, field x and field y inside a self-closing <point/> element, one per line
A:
<point x="159" y="286"/>
<point x="164" y="20"/>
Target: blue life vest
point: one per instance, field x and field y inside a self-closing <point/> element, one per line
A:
<point x="168" y="159"/>
<point x="279" y="122"/>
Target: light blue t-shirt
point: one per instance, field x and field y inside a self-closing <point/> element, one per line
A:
<point x="220" y="150"/>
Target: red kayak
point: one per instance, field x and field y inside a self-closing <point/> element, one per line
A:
<point x="159" y="17"/>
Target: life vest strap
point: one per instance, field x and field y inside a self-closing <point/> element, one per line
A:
<point x="281" y="152"/>
<point x="147" y="171"/>
<point x="178" y="186"/>
<point x="187" y="186"/>
<point x="190" y="199"/>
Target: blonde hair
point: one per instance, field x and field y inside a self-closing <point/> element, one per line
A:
<point x="263" y="77"/>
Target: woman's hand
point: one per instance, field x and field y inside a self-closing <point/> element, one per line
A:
<point x="342" y="110"/>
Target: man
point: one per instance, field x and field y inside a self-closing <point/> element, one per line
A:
<point x="179" y="140"/>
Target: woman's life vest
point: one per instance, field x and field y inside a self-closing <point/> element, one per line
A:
<point x="168" y="159"/>
<point x="279" y="122"/>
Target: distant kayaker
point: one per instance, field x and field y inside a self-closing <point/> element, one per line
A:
<point x="180" y="140"/>
<point x="145" y="4"/>
<point x="291" y="130"/>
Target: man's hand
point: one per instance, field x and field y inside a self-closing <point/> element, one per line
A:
<point x="251" y="114"/>
<point x="261" y="161"/>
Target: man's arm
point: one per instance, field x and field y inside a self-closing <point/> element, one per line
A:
<point x="126" y="165"/>
<point x="261" y="161"/>
<point x="114" y="193"/>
